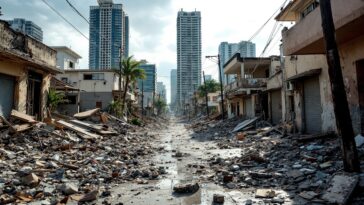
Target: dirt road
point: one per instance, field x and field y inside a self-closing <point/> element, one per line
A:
<point x="176" y="138"/>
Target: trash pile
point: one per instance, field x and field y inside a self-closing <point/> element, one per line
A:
<point x="70" y="160"/>
<point x="306" y="166"/>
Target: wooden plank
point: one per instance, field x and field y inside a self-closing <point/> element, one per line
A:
<point x="78" y="129"/>
<point x="23" y="127"/>
<point x="97" y="128"/>
<point x="86" y="114"/>
<point x="22" y="116"/>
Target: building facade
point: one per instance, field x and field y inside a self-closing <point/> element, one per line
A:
<point x="97" y="89"/>
<point x="188" y="55"/>
<point x="306" y="70"/>
<point x="25" y="74"/>
<point x="227" y="50"/>
<point x="161" y="91"/>
<point x="27" y="27"/>
<point x="109" y="35"/>
<point x="173" y="86"/>
<point x="147" y="86"/>
<point x="67" y="59"/>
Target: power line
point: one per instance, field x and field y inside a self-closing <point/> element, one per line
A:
<point x="79" y="13"/>
<point x="261" y="28"/>
<point x="59" y="14"/>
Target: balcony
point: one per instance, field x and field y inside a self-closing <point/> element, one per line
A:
<point x="306" y="36"/>
<point x="242" y="85"/>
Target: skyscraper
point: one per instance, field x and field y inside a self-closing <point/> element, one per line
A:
<point x="161" y="91"/>
<point x="27" y="27"/>
<point x="227" y="50"/>
<point x="148" y="85"/>
<point x="109" y="33"/>
<point x="173" y="86"/>
<point x="188" y="54"/>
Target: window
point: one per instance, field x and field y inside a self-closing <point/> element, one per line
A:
<point x="309" y="9"/>
<point x="99" y="104"/>
<point x="64" y="79"/>
<point x="94" y="76"/>
<point x="70" y="64"/>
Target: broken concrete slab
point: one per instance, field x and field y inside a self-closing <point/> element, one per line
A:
<point x="309" y="195"/>
<point x="265" y="193"/>
<point x="86" y="114"/>
<point x="187" y="188"/>
<point x="244" y="124"/>
<point x="340" y="188"/>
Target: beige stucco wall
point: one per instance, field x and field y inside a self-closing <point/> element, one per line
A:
<point x="110" y="82"/>
<point x="350" y="53"/>
<point x="301" y="64"/>
<point x="20" y="72"/>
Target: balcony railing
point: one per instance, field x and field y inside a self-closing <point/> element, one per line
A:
<point x="246" y="83"/>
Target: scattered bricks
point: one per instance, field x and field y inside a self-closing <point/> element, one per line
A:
<point x="240" y="136"/>
<point x="218" y="198"/>
<point x="188" y="188"/>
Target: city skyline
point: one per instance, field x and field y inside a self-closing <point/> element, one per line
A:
<point x="152" y="33"/>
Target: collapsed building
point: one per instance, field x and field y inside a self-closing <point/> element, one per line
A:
<point x="26" y="68"/>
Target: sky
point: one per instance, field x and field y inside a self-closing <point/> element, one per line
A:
<point x="153" y="27"/>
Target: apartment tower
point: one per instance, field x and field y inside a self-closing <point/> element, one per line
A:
<point x="109" y="35"/>
<point x="188" y="55"/>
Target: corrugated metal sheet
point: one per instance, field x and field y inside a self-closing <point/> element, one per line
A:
<point x="312" y="102"/>
<point x="6" y="94"/>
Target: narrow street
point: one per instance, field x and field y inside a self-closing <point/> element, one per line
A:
<point x="191" y="167"/>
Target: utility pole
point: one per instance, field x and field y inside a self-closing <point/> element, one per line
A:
<point x="221" y="85"/>
<point x="341" y="107"/>
<point x="142" y="98"/>
<point x="206" y="96"/>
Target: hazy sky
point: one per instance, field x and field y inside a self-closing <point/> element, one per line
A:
<point x="153" y="26"/>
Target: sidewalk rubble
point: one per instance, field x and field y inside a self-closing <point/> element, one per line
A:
<point x="272" y="159"/>
<point x="65" y="161"/>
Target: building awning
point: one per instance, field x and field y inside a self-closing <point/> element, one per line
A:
<point x="305" y="74"/>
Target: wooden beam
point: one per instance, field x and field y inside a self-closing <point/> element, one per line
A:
<point x="21" y="116"/>
<point x="78" y="129"/>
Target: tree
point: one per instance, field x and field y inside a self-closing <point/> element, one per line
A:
<point x="161" y="105"/>
<point x="55" y="98"/>
<point x="131" y="72"/>
<point x="210" y="86"/>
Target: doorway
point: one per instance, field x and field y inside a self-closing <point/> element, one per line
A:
<point x="360" y="80"/>
<point x="34" y="94"/>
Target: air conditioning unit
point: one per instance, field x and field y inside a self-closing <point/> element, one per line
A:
<point x="290" y="86"/>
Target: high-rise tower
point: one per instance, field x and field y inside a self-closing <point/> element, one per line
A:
<point x="109" y="35"/>
<point x="188" y="54"/>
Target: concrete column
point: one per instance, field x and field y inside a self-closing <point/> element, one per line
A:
<point x="242" y="73"/>
<point x="44" y="94"/>
<point x="21" y="92"/>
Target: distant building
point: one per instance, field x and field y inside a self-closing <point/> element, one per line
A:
<point x="27" y="27"/>
<point x="173" y="86"/>
<point x="67" y="59"/>
<point x="161" y="91"/>
<point x="227" y="50"/>
<point x="208" y="77"/>
<point x="109" y="32"/>
<point x="188" y="55"/>
<point x="148" y="85"/>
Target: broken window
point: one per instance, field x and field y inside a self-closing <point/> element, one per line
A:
<point x="70" y="64"/>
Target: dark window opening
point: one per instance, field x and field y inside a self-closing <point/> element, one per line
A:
<point x="71" y="64"/>
<point x="65" y="80"/>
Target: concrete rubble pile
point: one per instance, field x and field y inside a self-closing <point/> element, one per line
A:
<point x="302" y="165"/>
<point x="71" y="160"/>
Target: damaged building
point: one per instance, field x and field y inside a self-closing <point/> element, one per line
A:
<point x="26" y="68"/>
<point x="247" y="96"/>
<point x="309" y="100"/>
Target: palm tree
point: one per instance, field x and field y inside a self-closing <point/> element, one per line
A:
<point x="131" y="72"/>
<point x="210" y="86"/>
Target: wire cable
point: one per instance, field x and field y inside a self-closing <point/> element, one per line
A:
<point x="78" y="12"/>
<point x="60" y="15"/>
